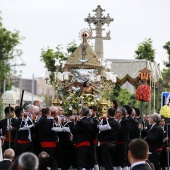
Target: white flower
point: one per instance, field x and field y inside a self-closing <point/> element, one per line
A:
<point x="70" y="108"/>
<point x="9" y="97"/>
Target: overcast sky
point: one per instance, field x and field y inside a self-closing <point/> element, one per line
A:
<point x="51" y="22"/>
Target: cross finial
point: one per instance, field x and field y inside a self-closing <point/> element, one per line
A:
<point x="99" y="21"/>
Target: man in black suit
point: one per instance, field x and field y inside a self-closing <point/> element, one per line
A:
<point x="82" y="131"/>
<point x="134" y="130"/>
<point x="155" y="140"/>
<point x="8" y="125"/>
<point x="137" y="154"/>
<point x="8" y="155"/>
<point x="95" y="121"/>
<point x="107" y="139"/>
<point x="122" y="139"/>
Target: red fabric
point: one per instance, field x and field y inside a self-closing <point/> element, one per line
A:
<point x="80" y="144"/>
<point x="48" y="144"/>
<point x="101" y="143"/>
<point x="159" y="149"/>
<point x="23" y="141"/>
<point x="7" y="137"/>
<point x="118" y="143"/>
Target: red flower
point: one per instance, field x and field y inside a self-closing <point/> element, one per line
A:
<point x="143" y="93"/>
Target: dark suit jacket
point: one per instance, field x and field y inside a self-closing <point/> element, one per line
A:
<point x="141" y="167"/>
<point x="124" y="132"/>
<point x="111" y="134"/>
<point x="3" y="126"/>
<point x="155" y="137"/>
<point x="5" y="164"/>
<point x="82" y="131"/>
<point x="134" y="130"/>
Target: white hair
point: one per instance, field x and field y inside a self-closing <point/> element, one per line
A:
<point x="28" y="161"/>
<point x="28" y="107"/>
<point x="9" y="153"/>
<point x="36" y="109"/>
<point x="53" y="108"/>
<point x="156" y="117"/>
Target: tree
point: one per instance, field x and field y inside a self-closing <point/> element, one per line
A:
<point x="167" y="48"/>
<point x="123" y="96"/>
<point x="8" y="52"/>
<point x="71" y="47"/>
<point x="145" y="51"/>
<point x="49" y="55"/>
<point x="165" y="83"/>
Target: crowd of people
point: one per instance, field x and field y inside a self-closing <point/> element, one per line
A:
<point x="44" y="138"/>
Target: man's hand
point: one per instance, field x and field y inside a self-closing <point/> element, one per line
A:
<point x="3" y="137"/>
<point x="140" y="126"/>
<point x="10" y="127"/>
<point x="165" y="139"/>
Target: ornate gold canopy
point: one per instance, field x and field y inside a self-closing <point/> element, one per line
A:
<point x="75" y="60"/>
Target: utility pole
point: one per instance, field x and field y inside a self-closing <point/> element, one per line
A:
<point x="32" y="89"/>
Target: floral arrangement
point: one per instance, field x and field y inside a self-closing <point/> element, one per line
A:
<point x="74" y="102"/>
<point x="143" y="93"/>
<point x="165" y="111"/>
<point x="9" y="97"/>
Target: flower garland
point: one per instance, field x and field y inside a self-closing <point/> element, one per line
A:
<point x="165" y="111"/>
<point x="143" y="93"/>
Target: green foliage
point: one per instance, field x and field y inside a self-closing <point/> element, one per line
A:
<point x="71" y="47"/>
<point x="49" y="55"/>
<point x="145" y="51"/>
<point x="123" y="96"/>
<point x="165" y="83"/>
<point x="8" y="42"/>
<point x="167" y="48"/>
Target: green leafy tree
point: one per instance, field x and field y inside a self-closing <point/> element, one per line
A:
<point x="49" y="55"/>
<point x="145" y="51"/>
<point x="8" y="52"/>
<point x="167" y="48"/>
<point x="123" y="96"/>
<point x="165" y="83"/>
<point x="71" y="47"/>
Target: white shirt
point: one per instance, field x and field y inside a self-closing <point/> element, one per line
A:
<point x="137" y="163"/>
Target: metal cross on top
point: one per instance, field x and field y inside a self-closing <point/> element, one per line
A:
<point x="99" y="21"/>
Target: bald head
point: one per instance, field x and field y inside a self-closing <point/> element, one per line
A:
<point x="9" y="154"/>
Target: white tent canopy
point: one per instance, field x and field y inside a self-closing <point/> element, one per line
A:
<point x="128" y="70"/>
<point x="27" y="96"/>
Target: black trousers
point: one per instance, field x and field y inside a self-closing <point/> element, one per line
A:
<point x="94" y="153"/>
<point x="68" y="155"/>
<point x="6" y="146"/>
<point x="23" y="147"/>
<point x="84" y="157"/>
<point x="108" y="151"/>
<point x="155" y="159"/>
<point x="49" y="150"/>
<point x="121" y="155"/>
